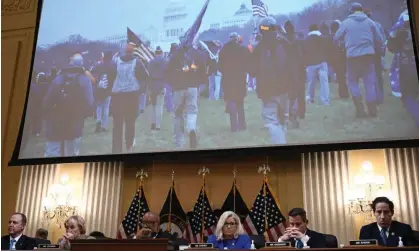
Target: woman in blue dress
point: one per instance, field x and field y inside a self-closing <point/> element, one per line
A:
<point x="229" y="233"/>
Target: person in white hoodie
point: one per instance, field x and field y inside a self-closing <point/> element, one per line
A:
<point x="362" y="43"/>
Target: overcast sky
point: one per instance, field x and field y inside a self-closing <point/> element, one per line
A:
<point x="96" y="19"/>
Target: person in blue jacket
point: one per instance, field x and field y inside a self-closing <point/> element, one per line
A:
<point x="230" y="233"/>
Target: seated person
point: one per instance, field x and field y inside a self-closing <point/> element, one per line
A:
<point x="229" y="233"/>
<point x="386" y="230"/>
<point x="41" y="236"/>
<point x="151" y="228"/>
<point x="75" y="229"/>
<point x="98" y="235"/>
<point x="16" y="240"/>
<point x="298" y="233"/>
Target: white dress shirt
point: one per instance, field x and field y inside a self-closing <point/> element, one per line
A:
<point x="16" y="240"/>
<point x="387" y="232"/>
<point x="304" y="239"/>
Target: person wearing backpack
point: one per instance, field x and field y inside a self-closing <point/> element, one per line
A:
<point x="101" y="73"/>
<point x="68" y="102"/>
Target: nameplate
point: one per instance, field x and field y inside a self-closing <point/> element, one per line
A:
<point x="201" y="245"/>
<point x="363" y="243"/>
<point x="49" y="246"/>
<point x="277" y="244"/>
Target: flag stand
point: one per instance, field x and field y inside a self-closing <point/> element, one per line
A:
<point x="203" y="171"/>
<point x="265" y="169"/>
<point x="142" y="174"/>
<point x="169" y="224"/>
<point x="234" y="189"/>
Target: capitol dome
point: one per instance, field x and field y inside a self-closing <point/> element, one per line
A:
<point x="243" y="11"/>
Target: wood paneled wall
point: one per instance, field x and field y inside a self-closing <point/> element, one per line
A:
<point x="285" y="179"/>
<point x="17" y="35"/>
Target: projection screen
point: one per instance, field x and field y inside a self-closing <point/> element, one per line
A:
<point x="133" y="76"/>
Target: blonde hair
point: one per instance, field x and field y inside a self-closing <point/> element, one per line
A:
<point x="81" y="223"/>
<point x="223" y="219"/>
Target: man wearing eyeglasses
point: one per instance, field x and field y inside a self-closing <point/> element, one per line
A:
<point x="150" y="228"/>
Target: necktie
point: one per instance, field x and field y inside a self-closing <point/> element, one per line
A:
<point x="12" y="244"/>
<point x="300" y="244"/>
<point x="383" y="234"/>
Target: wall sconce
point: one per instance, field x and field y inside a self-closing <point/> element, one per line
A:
<point x="367" y="187"/>
<point x="59" y="205"/>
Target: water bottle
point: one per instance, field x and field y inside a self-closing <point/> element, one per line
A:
<point x="400" y="242"/>
<point x="253" y="245"/>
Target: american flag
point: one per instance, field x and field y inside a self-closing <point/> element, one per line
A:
<point x="141" y="50"/>
<point x="275" y="219"/>
<point x="234" y="202"/>
<point x="202" y="211"/>
<point x="259" y="8"/>
<point x="394" y="75"/>
<point x="137" y="210"/>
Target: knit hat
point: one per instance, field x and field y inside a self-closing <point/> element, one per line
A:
<point x="76" y="59"/>
<point x="234" y="35"/>
<point x="158" y="50"/>
<point x="355" y="7"/>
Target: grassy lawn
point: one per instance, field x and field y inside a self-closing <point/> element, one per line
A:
<point x="322" y="124"/>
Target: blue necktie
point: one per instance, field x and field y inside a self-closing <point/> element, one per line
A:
<point x="11" y="245"/>
<point x="383" y="234"/>
<point x="300" y="244"/>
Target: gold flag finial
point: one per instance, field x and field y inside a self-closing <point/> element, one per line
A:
<point x="173" y="175"/>
<point x="234" y="172"/>
<point x="142" y="174"/>
<point x="265" y="169"/>
<point x="203" y="171"/>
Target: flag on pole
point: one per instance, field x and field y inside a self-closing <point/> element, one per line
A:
<point x="234" y="202"/>
<point x="141" y="50"/>
<point x="394" y="70"/>
<point x="259" y="8"/>
<point x="266" y="215"/>
<point x="203" y="219"/>
<point x="187" y="39"/>
<point x="134" y="216"/>
<point x="172" y="216"/>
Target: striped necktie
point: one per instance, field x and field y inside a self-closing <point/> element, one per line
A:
<point x="383" y="234"/>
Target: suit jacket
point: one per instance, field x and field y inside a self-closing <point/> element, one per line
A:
<point x="317" y="240"/>
<point x="397" y="229"/>
<point x="24" y="243"/>
<point x="241" y="242"/>
<point x="41" y="241"/>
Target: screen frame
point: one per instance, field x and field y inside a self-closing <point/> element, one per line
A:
<point x="201" y="155"/>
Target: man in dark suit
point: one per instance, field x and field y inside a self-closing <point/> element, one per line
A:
<point x="41" y="237"/>
<point x="386" y="230"/>
<point x="15" y="240"/>
<point x="151" y="228"/>
<point x="299" y="234"/>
